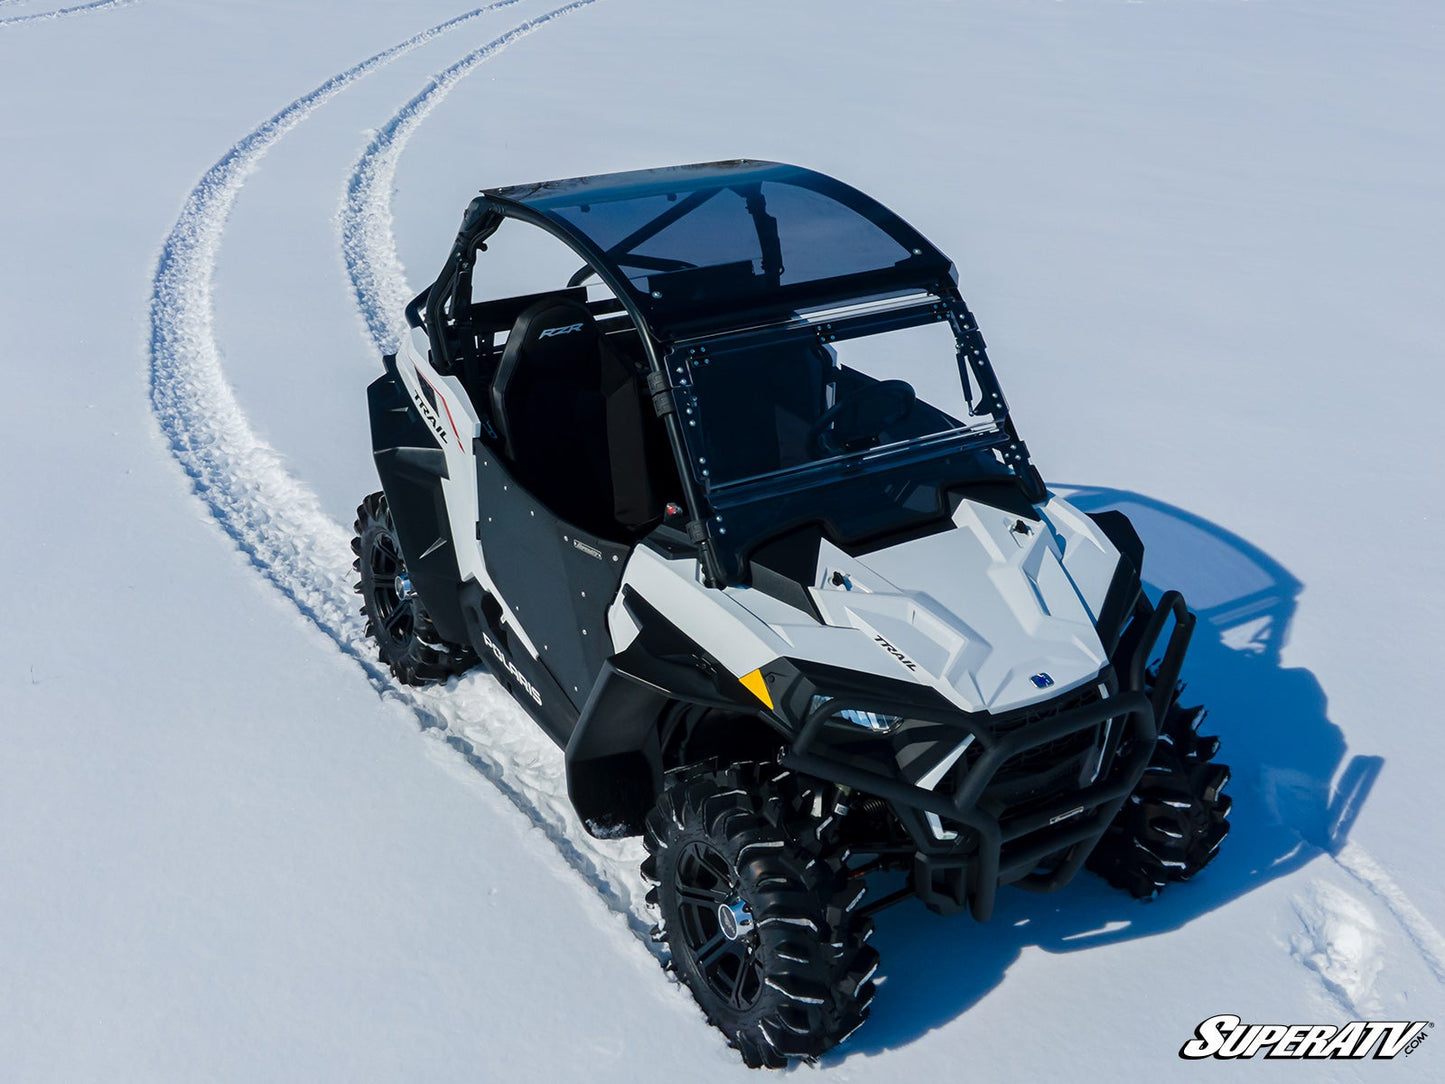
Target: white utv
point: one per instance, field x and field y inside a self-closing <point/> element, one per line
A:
<point x="739" y="516"/>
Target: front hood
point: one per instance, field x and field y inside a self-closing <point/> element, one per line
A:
<point x="985" y="612"/>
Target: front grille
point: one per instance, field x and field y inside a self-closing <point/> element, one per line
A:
<point x="1038" y="773"/>
<point x="1042" y="757"/>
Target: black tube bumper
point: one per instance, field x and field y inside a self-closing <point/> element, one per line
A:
<point x="1042" y="844"/>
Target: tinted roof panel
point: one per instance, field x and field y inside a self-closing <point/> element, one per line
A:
<point x="704" y="247"/>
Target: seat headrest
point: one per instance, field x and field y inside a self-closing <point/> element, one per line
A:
<point x="555" y="327"/>
<point x="555" y="338"/>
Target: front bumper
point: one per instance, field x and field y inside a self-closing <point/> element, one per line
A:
<point x="988" y="839"/>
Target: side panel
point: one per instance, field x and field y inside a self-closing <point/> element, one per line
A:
<point x="1086" y="552"/>
<point x="614" y="763"/>
<point x="1103" y="555"/>
<point x="557" y="581"/>
<point x="527" y="680"/>
<point x="412" y="468"/>
<point x="450" y="412"/>
<point x="614" y="758"/>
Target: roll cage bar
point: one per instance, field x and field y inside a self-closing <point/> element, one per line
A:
<point x="622" y="252"/>
<point x="439" y="308"/>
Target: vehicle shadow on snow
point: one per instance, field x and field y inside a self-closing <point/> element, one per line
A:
<point x="1294" y="795"/>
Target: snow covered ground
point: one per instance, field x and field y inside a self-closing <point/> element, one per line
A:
<point x="1203" y="240"/>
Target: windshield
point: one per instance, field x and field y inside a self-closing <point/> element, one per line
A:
<point x="762" y="408"/>
<point x="859" y="423"/>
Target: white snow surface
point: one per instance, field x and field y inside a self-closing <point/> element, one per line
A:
<point x="1203" y="240"/>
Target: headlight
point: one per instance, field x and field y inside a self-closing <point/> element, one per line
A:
<point x="873" y="721"/>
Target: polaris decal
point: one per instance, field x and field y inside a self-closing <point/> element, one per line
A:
<point x="511" y="669"/>
<point x="1226" y="1037"/>
<point x="904" y="659"/>
<point x="551" y="331"/>
<point x="585" y="548"/>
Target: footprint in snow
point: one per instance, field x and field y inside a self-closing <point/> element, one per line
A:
<point x="1339" y="940"/>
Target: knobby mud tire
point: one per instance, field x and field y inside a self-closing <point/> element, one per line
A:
<point x="1171" y="827"/>
<point x="396" y="621"/>
<point x="800" y="980"/>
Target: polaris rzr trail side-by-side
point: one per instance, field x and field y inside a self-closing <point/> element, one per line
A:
<point x="738" y="514"/>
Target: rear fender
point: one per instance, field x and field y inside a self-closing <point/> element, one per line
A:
<point x="412" y="466"/>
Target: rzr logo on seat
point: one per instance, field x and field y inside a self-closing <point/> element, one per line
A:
<point x="560" y="331"/>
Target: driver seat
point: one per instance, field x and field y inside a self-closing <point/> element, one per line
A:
<point x="567" y="409"/>
<point x="547" y="407"/>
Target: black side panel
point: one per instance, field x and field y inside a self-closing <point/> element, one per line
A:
<point x="520" y="674"/>
<point x="411" y="466"/>
<point x="1124" y="588"/>
<point x="794" y="555"/>
<point x="614" y="763"/>
<point x="557" y="580"/>
<point x="784" y="567"/>
<point x="1118" y="530"/>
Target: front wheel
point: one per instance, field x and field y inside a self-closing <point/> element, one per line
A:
<point x="395" y="618"/>
<point x="1171" y="827"/>
<point x="761" y="928"/>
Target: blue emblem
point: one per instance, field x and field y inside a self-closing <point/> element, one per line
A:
<point x="1041" y="681"/>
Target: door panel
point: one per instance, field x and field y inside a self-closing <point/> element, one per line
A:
<point x="557" y="581"/>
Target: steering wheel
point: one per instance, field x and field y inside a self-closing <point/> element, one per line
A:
<point x="874" y="408"/>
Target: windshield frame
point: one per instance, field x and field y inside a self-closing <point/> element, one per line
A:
<point x="996" y="453"/>
<point x="834" y="325"/>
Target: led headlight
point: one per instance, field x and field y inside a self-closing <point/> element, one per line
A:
<point x="873" y="721"/>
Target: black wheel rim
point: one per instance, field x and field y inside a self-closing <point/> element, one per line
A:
<point x="393" y="612"/>
<point x="704" y="881"/>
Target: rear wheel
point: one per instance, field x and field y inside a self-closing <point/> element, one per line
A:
<point x="395" y="618"/>
<point x="761" y="927"/>
<point x="1172" y="825"/>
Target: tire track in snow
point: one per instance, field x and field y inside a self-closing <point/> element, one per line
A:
<point x="1363" y="867"/>
<point x="1339" y="934"/>
<point x="278" y="522"/>
<point x="274" y="519"/>
<point x="478" y="718"/>
<point x="367" y="243"/>
<point x="63" y="13"/>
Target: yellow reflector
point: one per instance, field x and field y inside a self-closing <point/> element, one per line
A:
<point x="758" y="687"/>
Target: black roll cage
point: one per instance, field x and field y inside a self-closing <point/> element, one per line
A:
<point x="765" y="224"/>
<point x="438" y="309"/>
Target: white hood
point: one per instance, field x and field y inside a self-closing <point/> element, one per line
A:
<point x="985" y="613"/>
